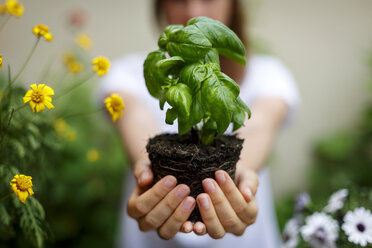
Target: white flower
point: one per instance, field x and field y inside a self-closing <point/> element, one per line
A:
<point x="290" y="234"/>
<point x="320" y="230"/>
<point x="336" y="201"/>
<point x="358" y="226"/>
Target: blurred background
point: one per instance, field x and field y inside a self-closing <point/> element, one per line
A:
<point x="326" y="44"/>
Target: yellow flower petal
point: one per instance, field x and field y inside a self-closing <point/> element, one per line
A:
<point x="33" y="87"/>
<point x="40" y="107"/>
<point x="22" y="195"/>
<point x="32" y="106"/>
<point x="49" y="105"/>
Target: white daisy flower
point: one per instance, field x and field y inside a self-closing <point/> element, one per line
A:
<point x="336" y="201"/>
<point x="320" y="230"/>
<point x="358" y="226"/>
<point x="290" y="234"/>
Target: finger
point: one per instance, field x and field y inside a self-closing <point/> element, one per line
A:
<point x="226" y="214"/>
<point x="141" y="205"/>
<point x="180" y="215"/>
<point x="186" y="227"/>
<point x="237" y="201"/>
<point x="199" y="228"/>
<point x="161" y="212"/>
<point x="250" y="178"/>
<point x="209" y="216"/>
<point x="143" y="173"/>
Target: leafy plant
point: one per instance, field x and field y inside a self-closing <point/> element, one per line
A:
<point x="185" y="72"/>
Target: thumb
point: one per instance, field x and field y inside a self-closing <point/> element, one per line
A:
<point x="143" y="172"/>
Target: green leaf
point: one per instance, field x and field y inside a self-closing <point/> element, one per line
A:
<point x="171" y="116"/>
<point x="223" y="38"/>
<point x="164" y="37"/>
<point x="170" y="65"/>
<point x="218" y="96"/>
<point x="192" y="75"/>
<point x="197" y="111"/>
<point x="243" y="106"/>
<point x="189" y="43"/>
<point x="183" y="126"/>
<point x="152" y="76"/>
<point x="179" y="97"/>
<point x="21" y="151"/>
<point x="239" y="110"/>
<point x="213" y="57"/>
<point x="4" y="216"/>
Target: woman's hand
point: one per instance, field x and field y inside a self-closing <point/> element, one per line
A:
<point x="163" y="207"/>
<point x="226" y="207"/>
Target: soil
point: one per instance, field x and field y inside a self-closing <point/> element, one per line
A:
<point x="190" y="162"/>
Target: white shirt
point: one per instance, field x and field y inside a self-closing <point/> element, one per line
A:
<point x="265" y="76"/>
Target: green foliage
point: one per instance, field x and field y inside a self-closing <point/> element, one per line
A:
<point x="185" y="72"/>
<point x="340" y="160"/>
<point x="65" y="182"/>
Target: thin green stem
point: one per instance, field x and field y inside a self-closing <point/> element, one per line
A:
<point x="74" y="86"/>
<point x="4" y="197"/>
<point x="82" y="113"/>
<point x="26" y="62"/>
<point x="2" y="25"/>
<point x="6" y="129"/>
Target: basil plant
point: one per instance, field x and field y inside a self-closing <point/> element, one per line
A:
<point x="185" y="72"/>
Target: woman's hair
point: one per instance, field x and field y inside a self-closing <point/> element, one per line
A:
<point x="237" y="20"/>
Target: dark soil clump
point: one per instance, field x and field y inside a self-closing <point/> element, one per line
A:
<point x="190" y="163"/>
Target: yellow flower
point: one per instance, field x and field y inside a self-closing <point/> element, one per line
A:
<point x="14" y="8"/>
<point x="115" y="106"/>
<point x="22" y="187"/>
<point x="1" y="60"/>
<point x="101" y="65"/>
<point x="60" y="125"/>
<point x="84" y="41"/>
<point x="3" y="9"/>
<point x="68" y="57"/>
<point x="70" y="135"/>
<point x="92" y="155"/>
<point x="39" y="97"/>
<point x="42" y="30"/>
<point x="75" y="67"/>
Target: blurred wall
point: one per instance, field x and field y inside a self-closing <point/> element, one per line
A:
<point x="324" y="43"/>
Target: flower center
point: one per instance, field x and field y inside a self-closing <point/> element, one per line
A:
<point x="361" y="227"/>
<point x="116" y="105"/>
<point x="285" y="238"/>
<point x="23" y="184"/>
<point x="320" y="234"/>
<point x="37" y="97"/>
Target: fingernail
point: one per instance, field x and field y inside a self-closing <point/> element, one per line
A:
<point x="209" y="186"/>
<point x="188" y="203"/>
<point x="248" y="193"/>
<point x="170" y="182"/>
<point x="203" y="201"/>
<point x="220" y="177"/>
<point x="181" y="192"/>
<point x="143" y="177"/>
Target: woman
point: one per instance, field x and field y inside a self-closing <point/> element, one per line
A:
<point x="159" y="212"/>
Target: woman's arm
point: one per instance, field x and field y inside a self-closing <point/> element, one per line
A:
<point x="230" y="207"/>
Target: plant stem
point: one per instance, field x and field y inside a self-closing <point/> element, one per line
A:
<point x="6" y="129"/>
<point x="4" y="197"/>
<point x="4" y="23"/>
<point x="68" y="90"/>
<point x="26" y="62"/>
<point x="83" y="113"/>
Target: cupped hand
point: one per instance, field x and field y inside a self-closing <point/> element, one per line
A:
<point x="163" y="207"/>
<point x="226" y="207"/>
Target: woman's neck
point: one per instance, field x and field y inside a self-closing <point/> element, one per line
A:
<point x="232" y="69"/>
